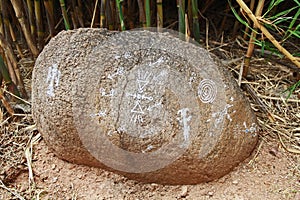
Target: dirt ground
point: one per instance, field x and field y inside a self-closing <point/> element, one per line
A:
<point x="270" y="173"/>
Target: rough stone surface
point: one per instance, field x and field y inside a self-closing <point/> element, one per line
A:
<point x="145" y="105"/>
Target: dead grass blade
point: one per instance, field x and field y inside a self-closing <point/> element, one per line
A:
<point x="11" y="191"/>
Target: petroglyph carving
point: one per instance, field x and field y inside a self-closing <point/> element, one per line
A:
<point x="52" y="79"/>
<point x="207" y="91"/>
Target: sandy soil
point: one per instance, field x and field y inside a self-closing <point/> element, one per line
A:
<point x="270" y="173"/>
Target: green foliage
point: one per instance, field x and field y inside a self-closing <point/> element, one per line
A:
<point x="292" y="89"/>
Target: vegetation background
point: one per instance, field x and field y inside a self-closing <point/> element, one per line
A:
<point x="257" y="40"/>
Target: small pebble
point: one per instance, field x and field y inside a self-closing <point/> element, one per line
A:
<point x="235" y="182"/>
<point x="210" y="194"/>
<point x="184" y="191"/>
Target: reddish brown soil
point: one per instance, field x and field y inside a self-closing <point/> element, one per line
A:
<point x="270" y="173"/>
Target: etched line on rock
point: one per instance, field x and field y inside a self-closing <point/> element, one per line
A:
<point x="120" y="71"/>
<point x="184" y="120"/>
<point x="52" y="80"/>
<point x="104" y="94"/>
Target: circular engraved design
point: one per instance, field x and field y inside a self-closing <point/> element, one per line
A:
<point x="207" y="91"/>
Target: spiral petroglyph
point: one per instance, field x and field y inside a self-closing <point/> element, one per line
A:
<point x="207" y="91"/>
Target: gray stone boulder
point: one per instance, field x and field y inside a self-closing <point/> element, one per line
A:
<point x="142" y="104"/>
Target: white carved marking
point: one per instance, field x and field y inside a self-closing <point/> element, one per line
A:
<point x="120" y="71"/>
<point x="157" y="105"/>
<point x="117" y="57"/>
<point x="137" y="118"/>
<point x="127" y="55"/>
<point x="99" y="114"/>
<point x="207" y="91"/>
<point x="104" y="94"/>
<point x="137" y="108"/>
<point x="184" y="120"/>
<point x="192" y="78"/>
<point x="52" y="79"/>
<point x="143" y="80"/>
<point x="147" y="149"/>
<point x="220" y="115"/>
<point x="139" y="97"/>
<point x="159" y="61"/>
<point x="252" y="129"/>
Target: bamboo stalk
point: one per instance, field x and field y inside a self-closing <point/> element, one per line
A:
<point x="196" y="29"/>
<point x="252" y="3"/>
<point x="39" y="22"/>
<point x="148" y="13"/>
<point x="110" y="20"/>
<point x="20" y="16"/>
<point x="78" y="11"/>
<point x="181" y="16"/>
<point x="14" y="39"/>
<point x="251" y="45"/>
<point x="187" y="29"/>
<point x="31" y="18"/>
<point x="160" y="18"/>
<point x="102" y="14"/>
<point x="64" y="13"/>
<point x="142" y="16"/>
<point x="8" y="52"/>
<point x="5" y="14"/>
<point x="74" y="18"/>
<point x="119" y="8"/>
<point x="14" y="71"/>
<point x="50" y="16"/>
<point x="1" y="21"/>
<point x="6" y="77"/>
<point x="267" y="33"/>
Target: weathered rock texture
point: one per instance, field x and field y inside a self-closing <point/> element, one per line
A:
<point x="145" y="105"/>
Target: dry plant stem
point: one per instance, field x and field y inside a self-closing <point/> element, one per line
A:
<point x="259" y="102"/>
<point x="14" y="39"/>
<point x="8" y="51"/>
<point x="1" y="22"/>
<point x="8" y="92"/>
<point x="268" y="34"/>
<point x="10" y="191"/>
<point x="19" y="14"/>
<point x="94" y="14"/>
<point x="6" y="21"/>
<point x="249" y="53"/>
<point x="11" y="57"/>
<point x="6" y="104"/>
<point x="187" y="29"/>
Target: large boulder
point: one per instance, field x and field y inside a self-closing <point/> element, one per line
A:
<point x="143" y="104"/>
